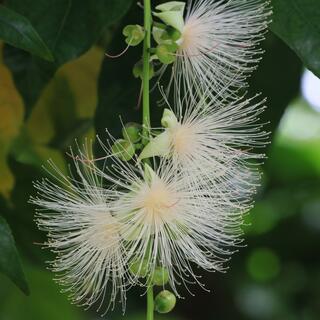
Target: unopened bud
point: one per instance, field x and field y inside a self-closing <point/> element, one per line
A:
<point x="123" y="149"/>
<point x="132" y="132"/>
<point x="165" y="301"/>
<point x="134" y="34"/>
<point x="166" y="52"/>
<point x="139" y="268"/>
<point x="138" y="70"/>
<point x="160" y="276"/>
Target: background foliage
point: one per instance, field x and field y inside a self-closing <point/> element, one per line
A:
<point x="56" y="85"/>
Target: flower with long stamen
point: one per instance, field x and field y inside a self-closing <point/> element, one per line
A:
<point x="218" y="47"/>
<point x="101" y="221"/>
<point x="90" y="262"/>
<point x="171" y="223"/>
<point x="213" y="140"/>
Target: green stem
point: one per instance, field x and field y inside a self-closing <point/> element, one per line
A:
<point x="146" y="70"/>
<point x="150" y="303"/>
<point x="146" y="112"/>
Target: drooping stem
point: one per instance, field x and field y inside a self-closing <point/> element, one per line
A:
<point x="146" y="70"/>
<point x="150" y="303"/>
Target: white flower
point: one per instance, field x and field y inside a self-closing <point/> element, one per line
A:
<point x="218" y="45"/>
<point x="171" y="223"/>
<point x="213" y="139"/>
<point x="105" y="220"/>
<point x="90" y="260"/>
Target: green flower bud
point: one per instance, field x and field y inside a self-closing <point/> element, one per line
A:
<point x="134" y="34"/>
<point x="139" y="268"/>
<point x="171" y="34"/>
<point x="166" y="52"/>
<point x="138" y="70"/>
<point x="123" y="149"/>
<point x="168" y="35"/>
<point x="165" y="301"/>
<point x="160" y="276"/>
<point x="132" y="132"/>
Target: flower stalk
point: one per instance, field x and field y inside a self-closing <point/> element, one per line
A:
<point x="146" y="71"/>
<point x="146" y="113"/>
<point x="150" y="303"/>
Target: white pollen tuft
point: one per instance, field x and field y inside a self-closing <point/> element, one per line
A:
<point x="219" y="44"/>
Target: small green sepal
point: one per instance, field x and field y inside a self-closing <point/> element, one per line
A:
<point x="138" y="70"/>
<point x="166" y="52"/>
<point x="134" y="34"/>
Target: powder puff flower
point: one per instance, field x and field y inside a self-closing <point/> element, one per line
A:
<point x="82" y="232"/>
<point x="170" y="223"/>
<point x="218" y="43"/>
<point x="213" y="139"/>
<point x="141" y="216"/>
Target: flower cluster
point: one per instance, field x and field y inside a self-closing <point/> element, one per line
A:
<point x="156" y="206"/>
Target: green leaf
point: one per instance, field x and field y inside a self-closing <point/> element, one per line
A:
<point x="297" y="23"/>
<point x="18" y="31"/>
<point x="9" y="259"/>
<point x="68" y="27"/>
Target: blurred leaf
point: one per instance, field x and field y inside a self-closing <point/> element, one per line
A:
<point x="70" y="29"/>
<point x="82" y="75"/>
<point x="11" y="110"/>
<point x="263" y="264"/>
<point x="26" y="152"/>
<point x="62" y="113"/>
<point x="69" y="99"/>
<point x="9" y="258"/>
<point x="297" y="144"/>
<point x="297" y="23"/>
<point x="18" y="31"/>
<point x="45" y="302"/>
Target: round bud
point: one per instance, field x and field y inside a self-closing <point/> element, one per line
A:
<point x="134" y="34"/>
<point x="139" y="268"/>
<point x="166" y="52"/>
<point x="131" y="132"/>
<point x="138" y="70"/>
<point x="160" y="276"/>
<point x="165" y="301"/>
<point x="123" y="149"/>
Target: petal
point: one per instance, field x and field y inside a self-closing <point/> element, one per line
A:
<point x="159" y="146"/>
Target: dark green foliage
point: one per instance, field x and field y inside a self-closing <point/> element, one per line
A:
<point x="9" y="259"/>
<point x="297" y="23"/>
<point x="67" y="27"/>
<point x="18" y="31"/>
